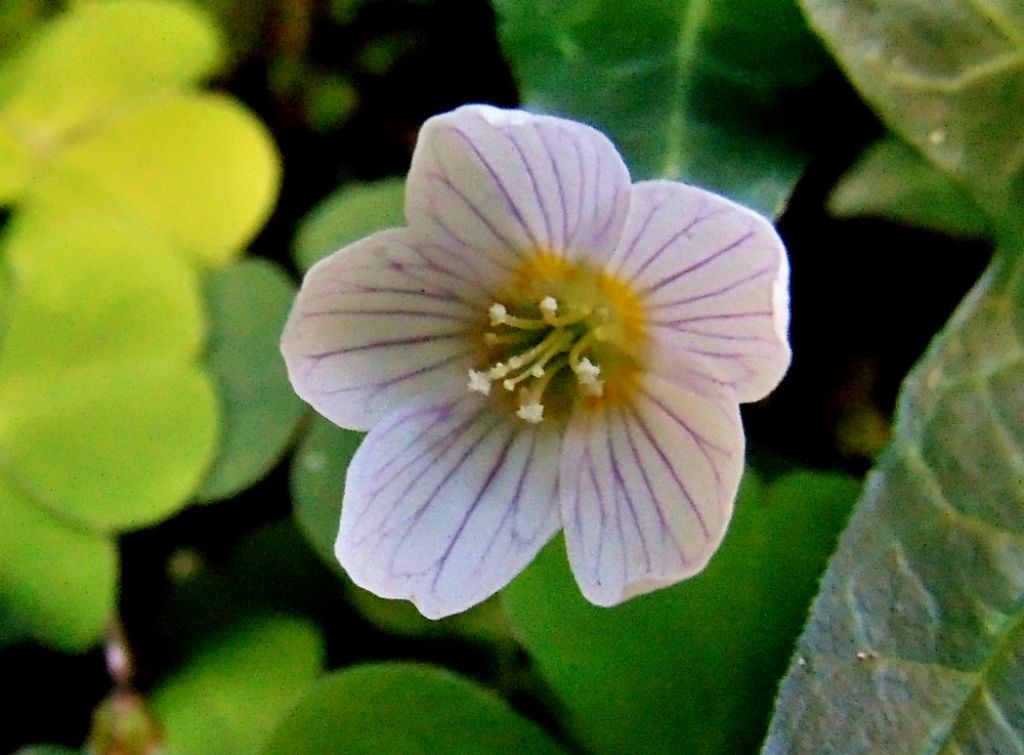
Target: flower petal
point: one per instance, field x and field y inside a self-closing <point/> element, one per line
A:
<point x="714" y="279"/>
<point x="383" y="320"/>
<point x="505" y="183"/>
<point x="647" y="487"/>
<point x="446" y="501"/>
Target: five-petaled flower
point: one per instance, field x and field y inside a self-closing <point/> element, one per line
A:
<point x="543" y="346"/>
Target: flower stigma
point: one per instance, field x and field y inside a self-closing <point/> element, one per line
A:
<point x="563" y="332"/>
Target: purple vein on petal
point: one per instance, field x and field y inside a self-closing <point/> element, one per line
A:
<point x="492" y="474"/>
<point x="447" y="183"/>
<point x="706" y="261"/>
<point x="632" y="246"/>
<point x="697" y="219"/>
<point x="500" y="184"/>
<point x="685" y="231"/>
<point x="656" y="447"/>
<point x="581" y="194"/>
<point x="717" y="292"/>
<point x="378" y="388"/>
<point x="699" y="440"/>
<point x="412" y="341"/>
<point x="426" y="505"/>
<point x="620" y="484"/>
<point x="510" y="135"/>
<point x="368" y="290"/>
<point x="613" y="203"/>
<point x="666" y="528"/>
<point x="422" y="462"/>
<point x="719" y="316"/>
<point x="723" y="336"/>
<point x="429" y="264"/>
<point x="425" y="314"/>
<point x="542" y="135"/>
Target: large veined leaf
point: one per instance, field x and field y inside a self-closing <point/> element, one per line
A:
<point x="695" y="89"/>
<point x="892" y="180"/>
<point x="105" y="415"/>
<point x="916" y="642"/>
<point x="947" y="76"/>
<point x="404" y="708"/>
<point x="59" y="581"/>
<point x="693" y="667"/>
<point x="247" y="303"/>
<point x="229" y="696"/>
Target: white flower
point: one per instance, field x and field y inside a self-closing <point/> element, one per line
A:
<point x="532" y="266"/>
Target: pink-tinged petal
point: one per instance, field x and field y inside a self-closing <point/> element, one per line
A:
<point x="647" y="487"/>
<point x="714" y="279"/>
<point x="381" y="321"/>
<point x="505" y="183"/>
<point x="446" y="501"/>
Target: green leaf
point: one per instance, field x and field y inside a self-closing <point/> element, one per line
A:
<point x="99" y="55"/>
<point x="13" y="629"/>
<point x="948" y="77"/>
<point x="93" y="290"/>
<point x="404" y="708"/>
<point x="892" y="180"/>
<point x="104" y="416"/>
<point x="248" y="303"/>
<point x="917" y="636"/>
<point x="347" y="215"/>
<point x="232" y="693"/>
<point x="695" y="89"/>
<point x="196" y="169"/>
<point x="16" y="165"/>
<point x="318" y="482"/>
<point x="60" y="581"/>
<point x="111" y="451"/>
<point x="691" y="668"/>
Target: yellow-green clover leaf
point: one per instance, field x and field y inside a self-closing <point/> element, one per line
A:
<point x="59" y="580"/>
<point x="100" y="55"/>
<point x="105" y="414"/>
<point x="196" y="169"/>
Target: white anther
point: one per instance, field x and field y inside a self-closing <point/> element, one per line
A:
<point x="532" y="412"/>
<point x="498" y="313"/>
<point x="587" y="370"/>
<point x="498" y="371"/>
<point x="479" y="382"/>
<point x="515" y="362"/>
<point x="548" y="306"/>
<point x="510" y="384"/>
<point x="537" y="371"/>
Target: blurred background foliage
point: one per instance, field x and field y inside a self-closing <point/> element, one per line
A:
<point x="169" y="169"/>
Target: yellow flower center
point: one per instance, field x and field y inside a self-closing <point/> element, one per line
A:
<point x="562" y="332"/>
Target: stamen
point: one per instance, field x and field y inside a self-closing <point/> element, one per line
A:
<point x="587" y="370"/>
<point x="479" y="382"/>
<point x="498" y="313"/>
<point x="532" y="412"/>
<point x="578" y="349"/>
<point x="548" y="308"/>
